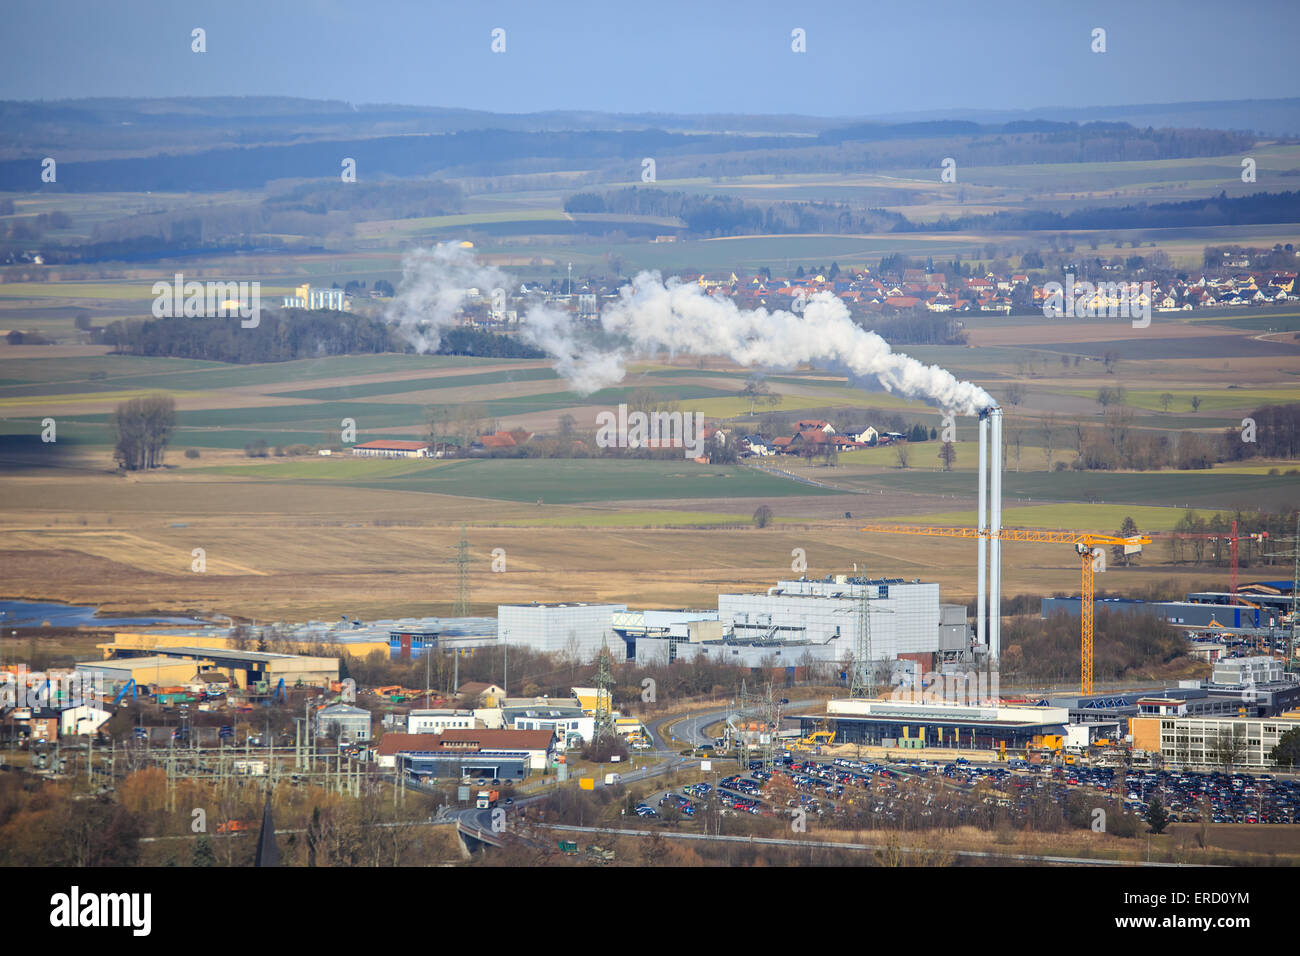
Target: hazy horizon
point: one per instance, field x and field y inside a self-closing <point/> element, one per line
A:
<point x="945" y="58"/>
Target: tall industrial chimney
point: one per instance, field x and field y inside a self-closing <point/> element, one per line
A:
<point x="995" y="542"/>
<point x="982" y="523"/>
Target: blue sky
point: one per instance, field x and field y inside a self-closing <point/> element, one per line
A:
<point x="863" y="57"/>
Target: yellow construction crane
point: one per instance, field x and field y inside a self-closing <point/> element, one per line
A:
<point x="1085" y="545"/>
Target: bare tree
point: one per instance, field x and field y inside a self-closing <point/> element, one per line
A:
<point x="1228" y="747"/>
<point x="1050" y="426"/>
<point x="439" y="418"/>
<point x="143" y="427"/>
<point x="468" y="424"/>
<point x="1016" y="434"/>
<point x="947" y="455"/>
<point x="1107" y="397"/>
<point x="902" y="451"/>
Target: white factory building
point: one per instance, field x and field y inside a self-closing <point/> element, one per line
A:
<point x="802" y="622"/>
<point x="572" y="630"/>
<point x="794" y="623"/>
<point x="904" y="617"/>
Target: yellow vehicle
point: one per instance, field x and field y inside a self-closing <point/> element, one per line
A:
<point x="818" y="738"/>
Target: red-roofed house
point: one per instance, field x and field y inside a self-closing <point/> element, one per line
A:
<point x="818" y="424"/>
<point x="499" y="440"/>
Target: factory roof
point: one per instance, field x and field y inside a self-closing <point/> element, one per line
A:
<point x="131" y="663"/>
<point x="395" y="743"/>
<point x="465" y="740"/>
<point x="222" y="654"/>
<point x="992" y="714"/>
<point x="393" y="445"/>
<point x="572" y="710"/>
<point x="495" y="739"/>
<point x="554" y="604"/>
<point x="342" y="631"/>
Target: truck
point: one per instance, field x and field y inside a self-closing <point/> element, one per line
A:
<point x="611" y="779"/>
<point x="486" y="799"/>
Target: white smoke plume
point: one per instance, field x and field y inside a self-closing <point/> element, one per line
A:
<point x="653" y="316"/>
<point x="435" y="284"/>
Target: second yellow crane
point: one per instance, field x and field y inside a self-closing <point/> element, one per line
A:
<point x="1085" y="545"/>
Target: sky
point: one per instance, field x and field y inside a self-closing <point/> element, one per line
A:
<point x="863" y="58"/>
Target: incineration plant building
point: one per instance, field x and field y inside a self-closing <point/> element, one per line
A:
<point x="793" y="623"/>
<point x="572" y="629"/>
<point x="905" y="618"/>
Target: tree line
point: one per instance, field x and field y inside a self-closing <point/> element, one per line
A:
<point x="1118" y="444"/>
<point x="1220" y="210"/>
<point x="1276" y="434"/>
<point x="726" y="215"/>
<point x="1125" y="645"/>
<point x="292" y="334"/>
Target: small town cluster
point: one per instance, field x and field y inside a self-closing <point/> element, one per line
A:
<point x="927" y="289"/>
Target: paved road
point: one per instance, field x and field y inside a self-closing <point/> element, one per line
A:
<point x="691" y="728"/>
<point x="806" y="843"/>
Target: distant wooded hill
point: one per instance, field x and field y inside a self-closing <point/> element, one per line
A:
<point x="190" y="146"/>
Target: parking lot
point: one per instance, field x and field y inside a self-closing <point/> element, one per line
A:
<point x="967" y="793"/>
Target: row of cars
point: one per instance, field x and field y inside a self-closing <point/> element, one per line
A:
<point x="1229" y="798"/>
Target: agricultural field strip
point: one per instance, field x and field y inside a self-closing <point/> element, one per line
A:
<point x="141" y="372"/>
<point x="570" y="481"/>
<point x="1213" y="399"/>
<point x="114" y="545"/>
<point x="1104" y="519"/>
<point x="392" y="386"/>
<point x="1171" y="489"/>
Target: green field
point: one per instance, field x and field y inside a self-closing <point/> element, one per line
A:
<point x="569" y="481"/>
<point x="127" y="371"/>
<point x="1105" y="519"/>
<point x="556" y="481"/>
<point x="1212" y="399"/>
<point x="1174" y="489"/>
<point x="372" y="389"/>
<point x="331" y="468"/>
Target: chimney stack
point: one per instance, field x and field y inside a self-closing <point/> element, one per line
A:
<point x="988" y="604"/>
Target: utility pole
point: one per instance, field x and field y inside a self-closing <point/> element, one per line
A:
<point x="462" y="576"/>
<point x="604" y="694"/>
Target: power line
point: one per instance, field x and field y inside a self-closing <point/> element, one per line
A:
<point x="462" y="576"/>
